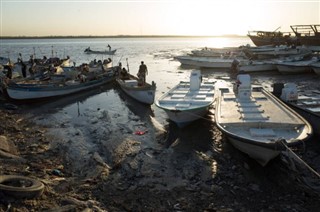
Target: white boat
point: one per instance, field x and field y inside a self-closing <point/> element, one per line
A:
<point x="143" y="93"/>
<point x="188" y="101"/>
<point x="316" y="67"/>
<point x="206" y="62"/>
<point x="305" y="102"/>
<point x="35" y="89"/>
<point x="278" y="51"/>
<point x="256" y="66"/>
<point x="226" y="52"/>
<point x="256" y="122"/>
<point x="106" y="52"/>
<point x="295" y="67"/>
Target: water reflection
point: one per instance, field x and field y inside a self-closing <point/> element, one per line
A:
<point x="197" y="136"/>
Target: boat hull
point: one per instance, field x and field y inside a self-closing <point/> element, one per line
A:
<point x="256" y="122"/>
<point x="188" y="101"/>
<point x="286" y="69"/>
<point x="312" y="118"/>
<point x="259" y="41"/>
<point x="257" y="68"/>
<point x="184" y="117"/>
<point x="28" y="92"/>
<point x="112" y="52"/>
<point x="204" y="62"/>
<point x="261" y="154"/>
<point x="144" y="94"/>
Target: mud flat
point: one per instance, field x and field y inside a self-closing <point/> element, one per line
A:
<point x="115" y="162"/>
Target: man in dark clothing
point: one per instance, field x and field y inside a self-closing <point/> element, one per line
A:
<point x="143" y="71"/>
<point x="9" y="70"/>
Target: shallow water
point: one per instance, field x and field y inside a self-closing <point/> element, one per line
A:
<point x="105" y="113"/>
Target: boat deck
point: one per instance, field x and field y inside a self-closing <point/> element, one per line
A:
<point x="182" y="97"/>
<point x="309" y="100"/>
<point x="258" y="109"/>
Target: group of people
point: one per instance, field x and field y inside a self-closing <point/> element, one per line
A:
<point x="142" y="73"/>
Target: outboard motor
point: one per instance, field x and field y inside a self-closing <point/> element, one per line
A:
<point x="195" y="80"/>
<point x="289" y="92"/>
<point x="243" y="86"/>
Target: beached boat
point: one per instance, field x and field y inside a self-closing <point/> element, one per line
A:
<point x="206" y="62"/>
<point x="267" y="52"/>
<point x="36" y="89"/>
<point x="256" y="66"/>
<point x="256" y="122"/>
<point x="295" y="67"/>
<point x="226" y="52"/>
<point x="263" y="38"/>
<point x="308" y="35"/>
<point x="188" y="101"/>
<point x="305" y="102"/>
<point x="143" y="93"/>
<point x="106" y="52"/>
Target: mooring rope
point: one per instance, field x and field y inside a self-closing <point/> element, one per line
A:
<point x="300" y="160"/>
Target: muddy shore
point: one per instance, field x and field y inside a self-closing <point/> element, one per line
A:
<point x="178" y="172"/>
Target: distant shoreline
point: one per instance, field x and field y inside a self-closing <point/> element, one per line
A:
<point x="116" y="36"/>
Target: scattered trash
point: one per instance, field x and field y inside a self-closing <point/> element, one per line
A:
<point x="56" y="172"/>
<point x="20" y="186"/>
<point x="140" y="132"/>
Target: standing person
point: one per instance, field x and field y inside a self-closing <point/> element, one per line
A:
<point x="109" y="47"/>
<point x="23" y="69"/>
<point x="143" y="71"/>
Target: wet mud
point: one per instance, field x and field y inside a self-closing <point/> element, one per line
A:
<point x="125" y="159"/>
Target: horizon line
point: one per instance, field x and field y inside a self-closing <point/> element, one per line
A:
<point x="114" y="36"/>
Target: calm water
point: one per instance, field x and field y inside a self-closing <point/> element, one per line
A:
<point x="157" y="53"/>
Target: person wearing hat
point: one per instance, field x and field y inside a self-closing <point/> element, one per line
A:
<point x="143" y="71"/>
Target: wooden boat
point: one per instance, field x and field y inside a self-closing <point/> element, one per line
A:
<point x="188" y="101"/>
<point x="143" y="93"/>
<point x="308" y="35"/>
<point x="263" y="38"/>
<point x="256" y="122"/>
<point x="35" y="89"/>
<point x="107" y="52"/>
<point x="305" y="102"/>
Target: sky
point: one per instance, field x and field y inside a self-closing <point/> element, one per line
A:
<point x="153" y="17"/>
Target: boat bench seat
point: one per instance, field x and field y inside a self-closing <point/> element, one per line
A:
<point x="314" y="109"/>
<point x="183" y="101"/>
<point x="250" y="110"/>
<point x="254" y="117"/>
<point x="247" y="104"/>
<point x="200" y="96"/>
<point x="178" y="96"/>
<point x="257" y="132"/>
<point x="131" y="83"/>
<point x="182" y="105"/>
<point x="179" y="92"/>
<point x="229" y="97"/>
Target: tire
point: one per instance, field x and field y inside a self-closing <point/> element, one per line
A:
<point x="20" y="186"/>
